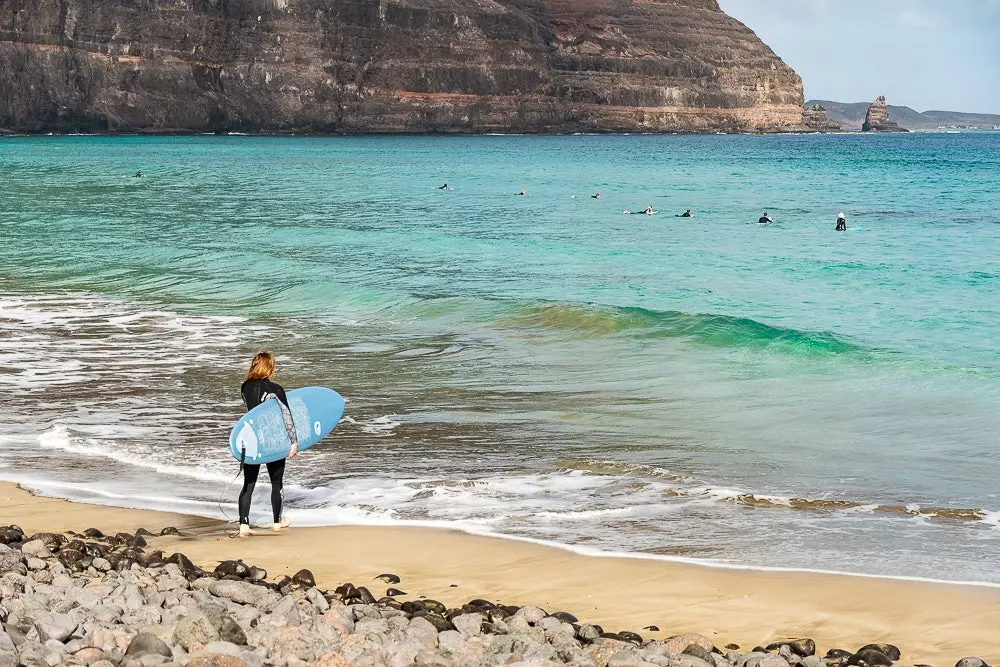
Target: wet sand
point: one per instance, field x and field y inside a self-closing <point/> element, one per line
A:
<point x="931" y="623"/>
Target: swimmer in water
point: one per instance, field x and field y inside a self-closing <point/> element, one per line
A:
<point x="765" y="219"/>
<point x="444" y="187"/>
<point x="685" y="214"/>
<point x="841" y="222"/>
<point x="522" y="193"/>
<point x="649" y="210"/>
<point x="138" y="174"/>
<point x="596" y="196"/>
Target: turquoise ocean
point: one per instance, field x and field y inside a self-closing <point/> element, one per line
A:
<point x="537" y="366"/>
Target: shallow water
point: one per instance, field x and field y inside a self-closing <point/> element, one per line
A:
<point x="541" y="366"/>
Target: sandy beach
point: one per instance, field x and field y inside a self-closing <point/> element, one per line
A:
<point x="931" y="623"/>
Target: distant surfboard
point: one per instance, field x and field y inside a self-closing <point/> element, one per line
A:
<point x="261" y="433"/>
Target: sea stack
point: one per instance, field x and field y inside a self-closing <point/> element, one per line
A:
<point x="815" y="118"/>
<point x="877" y="118"/>
<point x="359" y="66"/>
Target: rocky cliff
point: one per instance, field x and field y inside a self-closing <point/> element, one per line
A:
<point x="387" y="66"/>
<point x="814" y="117"/>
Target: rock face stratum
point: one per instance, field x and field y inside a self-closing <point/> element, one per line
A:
<point x="388" y="66"/>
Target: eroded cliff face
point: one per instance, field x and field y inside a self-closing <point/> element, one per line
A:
<point x="388" y="66"/>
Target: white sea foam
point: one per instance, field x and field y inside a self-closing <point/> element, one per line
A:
<point x="383" y="425"/>
<point x="58" y="437"/>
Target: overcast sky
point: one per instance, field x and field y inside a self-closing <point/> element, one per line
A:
<point x="925" y="54"/>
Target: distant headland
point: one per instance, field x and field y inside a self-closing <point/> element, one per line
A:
<point x="852" y="115"/>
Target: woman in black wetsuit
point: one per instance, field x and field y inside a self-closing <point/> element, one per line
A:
<point x="256" y="389"/>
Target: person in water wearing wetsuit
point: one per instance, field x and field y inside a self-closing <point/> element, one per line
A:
<point x="257" y="388"/>
<point x="765" y="219"/>
<point x="444" y="187"/>
<point x="841" y="222"/>
<point x="685" y="214"/>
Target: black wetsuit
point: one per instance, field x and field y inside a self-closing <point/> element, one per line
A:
<point x="841" y="225"/>
<point x="254" y="393"/>
<point x="764" y="220"/>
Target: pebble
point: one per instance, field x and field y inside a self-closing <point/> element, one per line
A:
<point x="108" y="602"/>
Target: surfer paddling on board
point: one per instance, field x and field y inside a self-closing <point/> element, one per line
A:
<point x="257" y="388"/>
<point x="765" y="219"/>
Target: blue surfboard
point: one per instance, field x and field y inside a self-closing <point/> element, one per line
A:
<point x="261" y="433"/>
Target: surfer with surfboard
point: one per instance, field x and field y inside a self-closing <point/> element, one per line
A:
<point x="276" y="427"/>
<point x="257" y="388"/>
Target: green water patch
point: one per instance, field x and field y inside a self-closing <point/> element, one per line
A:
<point x="721" y="331"/>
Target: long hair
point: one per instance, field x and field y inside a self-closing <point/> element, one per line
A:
<point x="262" y="367"/>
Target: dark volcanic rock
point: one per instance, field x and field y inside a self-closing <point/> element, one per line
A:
<point x="306" y="579"/>
<point x="388" y="66"/>
<point x="800" y="647"/>
<point x="869" y="657"/>
<point x="891" y="651"/>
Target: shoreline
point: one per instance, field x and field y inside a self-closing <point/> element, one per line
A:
<point x="575" y="549"/>
<point x="930" y="622"/>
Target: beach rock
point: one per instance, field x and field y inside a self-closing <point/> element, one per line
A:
<point x="751" y="659"/>
<point x="676" y="644"/>
<point x="889" y="650"/>
<point x="800" y="647"/>
<point x="194" y="631"/>
<point x="336" y="659"/>
<point x="602" y="650"/>
<point x="36" y="548"/>
<point x="55" y="626"/>
<point x="971" y="662"/>
<point x="628" y="659"/>
<point x="8" y="659"/>
<point x="423" y="631"/>
<point x="232" y="568"/>
<point x="812" y="661"/>
<point x="10" y="535"/>
<point x="315" y="596"/>
<point x="440" y="623"/>
<point x="10" y="559"/>
<point x="531" y="614"/>
<point x="239" y="592"/>
<point x="870" y="657"/>
<point x="305" y="579"/>
<point x="631" y="637"/>
<point x="434" y="606"/>
<point x="698" y="652"/>
<point x="170" y="530"/>
<point x="588" y="633"/>
<point x="227" y="628"/>
<point x="256" y="574"/>
<point x="469" y="625"/>
<point x="216" y="660"/>
<point x="772" y="661"/>
<point x="564" y="616"/>
<point x="146" y="643"/>
<point x="52" y="540"/>
<point x="451" y="641"/>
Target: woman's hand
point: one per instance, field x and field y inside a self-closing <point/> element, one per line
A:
<point x="294" y="451"/>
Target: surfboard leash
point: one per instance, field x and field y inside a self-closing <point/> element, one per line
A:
<point x="243" y="456"/>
